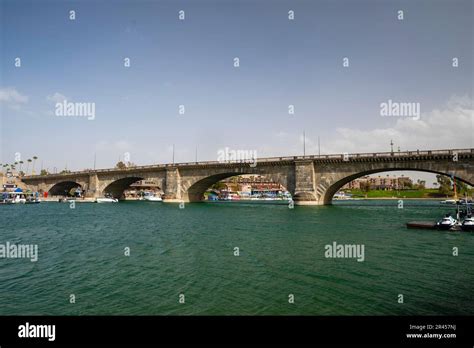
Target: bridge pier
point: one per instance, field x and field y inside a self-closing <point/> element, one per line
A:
<point x="92" y="189"/>
<point x="305" y="184"/>
<point x="172" y="186"/>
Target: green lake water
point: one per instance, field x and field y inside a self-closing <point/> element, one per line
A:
<point x="190" y="251"/>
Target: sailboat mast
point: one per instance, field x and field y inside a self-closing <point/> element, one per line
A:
<point x="455" y="192"/>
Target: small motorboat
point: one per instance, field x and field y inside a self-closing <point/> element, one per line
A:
<point x="152" y="198"/>
<point x="341" y="195"/>
<point x="106" y="200"/>
<point x="18" y="198"/>
<point x="33" y="201"/>
<point x="32" y="198"/>
<point x="449" y="201"/>
<point x="468" y="223"/>
<point x="446" y="223"/>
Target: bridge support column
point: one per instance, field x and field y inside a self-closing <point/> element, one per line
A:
<point x="93" y="190"/>
<point x="172" y="186"/>
<point x="40" y="187"/>
<point x="35" y="187"/>
<point x="305" y="184"/>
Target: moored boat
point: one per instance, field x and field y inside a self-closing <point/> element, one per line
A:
<point x="17" y="197"/>
<point x="106" y="200"/>
<point x="449" y="201"/>
<point x="446" y="223"/>
<point x="468" y="223"/>
<point x="32" y="198"/>
<point x="341" y="195"/>
<point x="152" y="198"/>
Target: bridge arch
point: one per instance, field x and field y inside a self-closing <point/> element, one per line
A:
<point x="117" y="187"/>
<point x="194" y="191"/>
<point x="336" y="182"/>
<point x="62" y="188"/>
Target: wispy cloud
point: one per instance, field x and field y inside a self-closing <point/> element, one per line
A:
<point x="447" y="127"/>
<point x="11" y="98"/>
<point x="57" y="98"/>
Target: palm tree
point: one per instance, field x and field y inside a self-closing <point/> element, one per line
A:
<point x="34" y="160"/>
<point x="21" y="163"/>
<point x="28" y="166"/>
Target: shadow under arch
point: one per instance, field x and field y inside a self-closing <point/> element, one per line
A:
<point x="117" y="187"/>
<point x="62" y="188"/>
<point x="336" y="186"/>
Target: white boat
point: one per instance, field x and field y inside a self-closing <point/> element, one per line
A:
<point x="468" y="223"/>
<point x="18" y="199"/>
<point x="152" y="198"/>
<point x="13" y="198"/>
<point x="446" y="223"/>
<point x="449" y="201"/>
<point x="341" y="195"/>
<point x="106" y="200"/>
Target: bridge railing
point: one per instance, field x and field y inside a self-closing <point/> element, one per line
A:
<point x="272" y="159"/>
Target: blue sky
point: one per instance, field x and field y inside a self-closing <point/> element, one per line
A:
<point x="190" y="62"/>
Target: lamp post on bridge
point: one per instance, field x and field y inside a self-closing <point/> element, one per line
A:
<point x="304" y="144"/>
<point x="319" y="147"/>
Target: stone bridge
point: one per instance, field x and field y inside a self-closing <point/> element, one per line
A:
<point x="311" y="180"/>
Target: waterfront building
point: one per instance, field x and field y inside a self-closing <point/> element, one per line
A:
<point x="138" y="188"/>
<point x="380" y="183"/>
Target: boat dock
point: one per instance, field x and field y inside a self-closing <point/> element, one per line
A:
<point x="428" y="225"/>
<point x="422" y="224"/>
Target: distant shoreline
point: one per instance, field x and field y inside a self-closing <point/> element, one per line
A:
<point x="394" y="198"/>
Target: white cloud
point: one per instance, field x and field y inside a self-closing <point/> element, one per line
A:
<point x="10" y="97"/>
<point x="56" y="98"/>
<point x="449" y="127"/>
